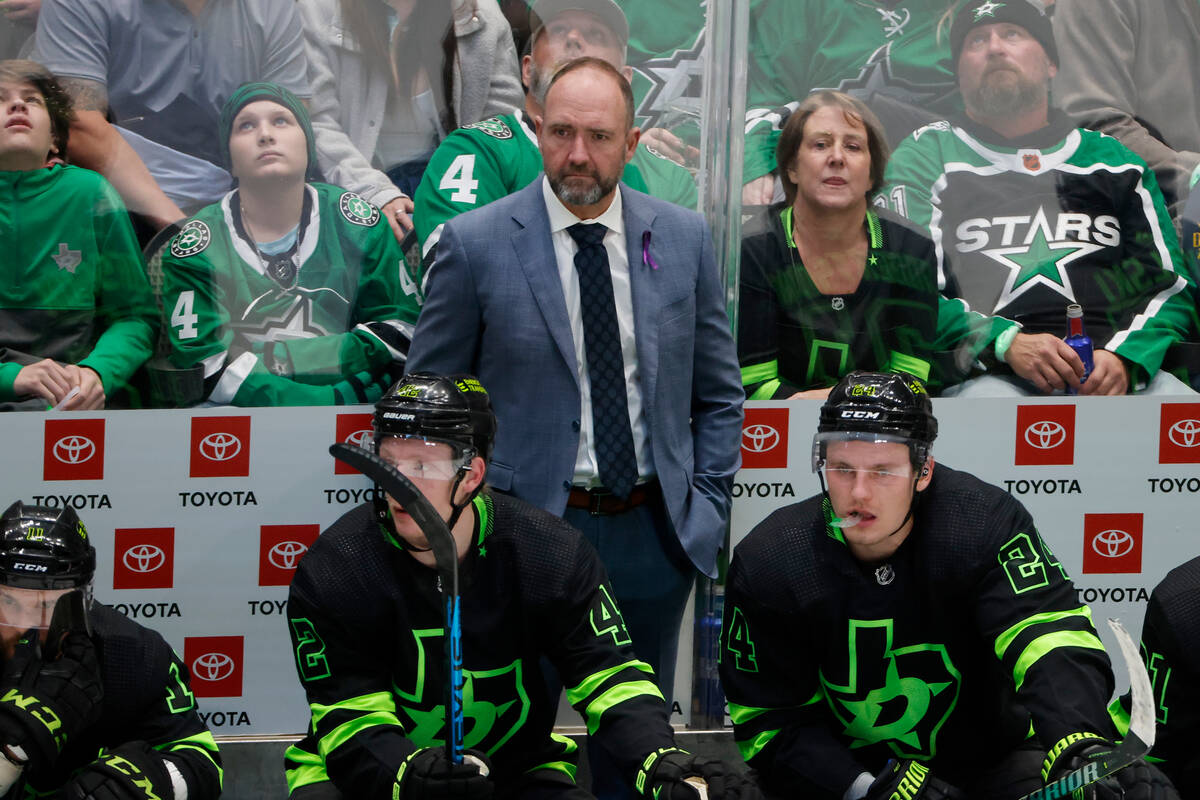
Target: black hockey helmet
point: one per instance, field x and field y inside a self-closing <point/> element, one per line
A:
<point x="454" y="409"/>
<point x="45" y="548"/>
<point x="877" y="406"/>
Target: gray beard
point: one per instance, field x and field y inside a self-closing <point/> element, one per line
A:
<point x="581" y="197"/>
<point x="1001" y="101"/>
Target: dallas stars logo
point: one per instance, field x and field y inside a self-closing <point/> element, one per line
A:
<point x="675" y="84"/>
<point x="293" y="319"/>
<point x="358" y="211"/>
<point x="898" y="696"/>
<point x="1038" y="261"/>
<point x="194" y="237"/>
<point x="876" y="75"/>
<point x="988" y="9"/>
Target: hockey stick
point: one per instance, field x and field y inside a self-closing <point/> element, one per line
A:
<point x="1136" y="743"/>
<point x="445" y="553"/>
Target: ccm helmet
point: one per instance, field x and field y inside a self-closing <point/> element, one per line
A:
<point x="877" y="406"/>
<point x="45" y="548"/>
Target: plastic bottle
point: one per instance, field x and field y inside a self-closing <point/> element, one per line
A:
<point x="1078" y="341"/>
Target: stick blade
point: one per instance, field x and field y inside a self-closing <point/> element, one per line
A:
<point x="1141" y="713"/>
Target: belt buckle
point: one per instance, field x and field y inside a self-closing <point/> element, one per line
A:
<point x="594" y="499"/>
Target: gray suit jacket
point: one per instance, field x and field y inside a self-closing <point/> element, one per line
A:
<point x="495" y="307"/>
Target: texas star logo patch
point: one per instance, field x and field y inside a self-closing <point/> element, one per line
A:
<point x="194" y="237"/>
<point x="66" y="258"/>
<point x="358" y="211"/>
<point x="494" y="127"/>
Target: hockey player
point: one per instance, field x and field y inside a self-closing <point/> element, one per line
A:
<point x="77" y="314"/>
<point x="366" y="622"/>
<point x="1170" y="634"/>
<point x="1031" y="214"/>
<point x="907" y="632"/>
<point x="491" y="159"/>
<point x="97" y="707"/>
<point x="286" y="292"/>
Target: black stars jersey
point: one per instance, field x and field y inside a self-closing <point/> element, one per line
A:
<point x="948" y="653"/>
<point x="366" y="622"/>
<point x="1025" y="227"/>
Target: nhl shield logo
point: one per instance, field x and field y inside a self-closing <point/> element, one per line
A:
<point x="358" y="211"/>
<point x="194" y="237"/>
<point x="1031" y="161"/>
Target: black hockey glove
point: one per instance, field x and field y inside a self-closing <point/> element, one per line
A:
<point x="133" y="771"/>
<point x="910" y="779"/>
<point x="1138" y="781"/>
<point x="43" y="705"/>
<point x="664" y="773"/>
<point x="428" y="775"/>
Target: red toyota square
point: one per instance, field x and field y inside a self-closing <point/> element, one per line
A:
<point x="280" y="549"/>
<point x="220" y="447"/>
<point x="765" y="438"/>
<point x="216" y="665"/>
<point x="1112" y="543"/>
<point x="353" y="429"/>
<point x="1179" y="433"/>
<point x="73" y="450"/>
<point x="1045" y="435"/>
<point x="144" y="558"/>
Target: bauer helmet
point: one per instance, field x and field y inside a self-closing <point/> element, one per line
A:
<point x="453" y="409"/>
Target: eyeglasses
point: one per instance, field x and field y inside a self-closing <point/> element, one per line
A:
<point x="846" y="476"/>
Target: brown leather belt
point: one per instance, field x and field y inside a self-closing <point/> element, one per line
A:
<point x="601" y="502"/>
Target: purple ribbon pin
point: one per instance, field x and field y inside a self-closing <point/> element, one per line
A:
<point x="647" y="259"/>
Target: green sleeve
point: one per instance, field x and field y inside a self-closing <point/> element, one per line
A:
<point x="963" y="338"/>
<point x="8" y="376"/>
<point x="665" y="179"/>
<point x="910" y="175"/>
<point x="125" y="302"/>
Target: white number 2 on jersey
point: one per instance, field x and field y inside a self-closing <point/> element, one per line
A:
<point x="458" y="177"/>
<point x="183" y="317"/>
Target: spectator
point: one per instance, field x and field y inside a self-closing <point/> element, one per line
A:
<point x="18" y="19"/>
<point x="496" y="157"/>
<point x="829" y="285"/>
<point x="1129" y="68"/>
<point x="78" y="315"/>
<point x="616" y="388"/>
<point x="907" y="633"/>
<point x="286" y="292"/>
<point x="889" y="55"/>
<point x="366" y="621"/>
<point x="92" y="704"/>
<point x="1170" y="633"/>
<point x="161" y="72"/>
<point x="1030" y="214"/>
<point x="381" y="103"/>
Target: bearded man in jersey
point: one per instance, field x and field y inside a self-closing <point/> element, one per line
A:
<point x="907" y="633"/>
<point x="1030" y="214"/>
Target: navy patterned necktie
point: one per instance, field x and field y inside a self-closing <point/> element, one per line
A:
<point x="602" y="343"/>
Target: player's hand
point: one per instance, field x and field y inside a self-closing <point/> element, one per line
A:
<point x="759" y="191"/>
<point x="1045" y="360"/>
<point x="812" y="394"/>
<point x="663" y="142"/>
<point x="21" y="10"/>
<point x="398" y="214"/>
<point x="916" y="779"/>
<point x="1138" y="781"/>
<point x="428" y="775"/>
<point x="67" y="691"/>
<point x="90" y="396"/>
<point x="46" y="379"/>
<point x="133" y="771"/>
<point x="664" y="776"/>
<point x="1109" y="375"/>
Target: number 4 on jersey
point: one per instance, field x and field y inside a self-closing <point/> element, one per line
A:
<point x="183" y="317"/>
<point x="459" y="177"/>
<point x="606" y="618"/>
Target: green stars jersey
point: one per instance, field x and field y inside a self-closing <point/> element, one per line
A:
<point x="1025" y="227"/>
<point x="366" y="622"/>
<point x="862" y="48"/>
<point x="491" y="159"/>
<point x="330" y="330"/>
<point x="948" y="653"/>
<point x="75" y="287"/>
<point x="666" y="53"/>
<point x="791" y="337"/>
<point x="1170" y="634"/>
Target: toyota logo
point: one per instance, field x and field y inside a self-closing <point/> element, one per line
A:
<point x="361" y="438"/>
<point x="1112" y="543"/>
<point x="144" y="557"/>
<point x="74" y="449"/>
<point x="760" y="438"/>
<point x="212" y="667"/>
<point x="285" y="554"/>
<point x="1185" y="433"/>
<point x="1045" y="435"/>
<point x="220" y="446"/>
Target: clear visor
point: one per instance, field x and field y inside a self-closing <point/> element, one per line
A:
<point x="419" y="459"/>
<point x="26" y="609"/>
<point x="821" y="441"/>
